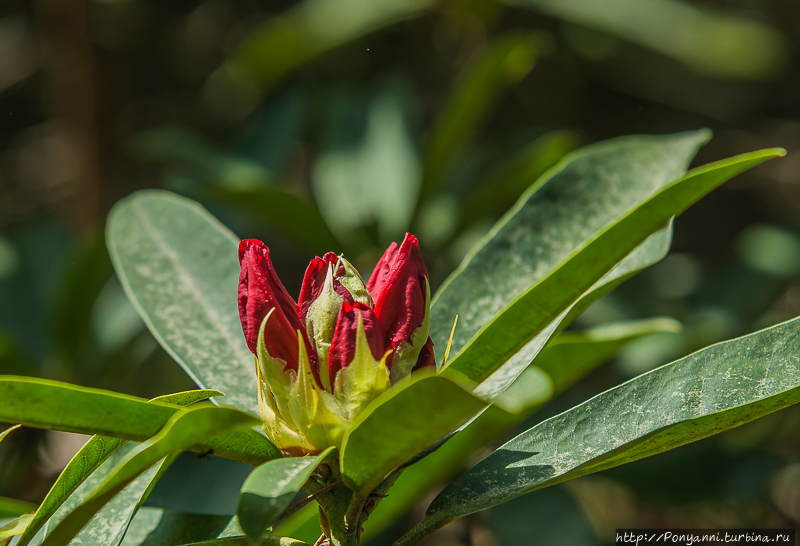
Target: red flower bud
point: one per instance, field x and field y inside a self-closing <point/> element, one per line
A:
<point x="260" y="291"/>
<point x="343" y="346"/>
<point x="398" y="285"/>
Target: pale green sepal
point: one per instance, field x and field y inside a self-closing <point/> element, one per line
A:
<point x="330" y="425"/>
<point x="317" y="414"/>
<point x="282" y="435"/>
<point x="354" y="283"/>
<point x="406" y="354"/>
<point x="321" y="322"/>
<point x="303" y="397"/>
<point x="277" y="377"/>
<point x="363" y="379"/>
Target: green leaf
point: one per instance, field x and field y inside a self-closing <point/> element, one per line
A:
<point x="186" y="398"/>
<point x="269" y="490"/>
<point x="7" y="431"/>
<point x="156" y="527"/>
<point x="200" y="484"/>
<point x="708" y="392"/>
<point x="82" y="465"/>
<point x="96" y="451"/>
<point x="535" y="308"/>
<point x="41" y="403"/>
<point x="122" y="506"/>
<point x="180" y="268"/>
<point x="269" y="540"/>
<point x="367" y="187"/>
<point x="186" y="428"/>
<point x="400" y="424"/>
<point x="573" y="202"/>
<point x="110" y="524"/>
<point x="505" y="62"/>
<point x="566" y="359"/>
<point x="573" y="354"/>
<point x="13" y="507"/>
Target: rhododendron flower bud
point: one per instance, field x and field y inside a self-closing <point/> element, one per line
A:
<point x="260" y="292"/>
<point x="321" y="360"/>
<point x="399" y="286"/>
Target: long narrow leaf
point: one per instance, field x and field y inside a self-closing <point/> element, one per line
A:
<point x="110" y="524"/>
<point x="565" y="360"/>
<point x="534" y="309"/>
<point x="97" y="450"/>
<point x="185" y="429"/>
<point x="41" y="403"/>
<point x="754" y="49"/>
<point x="156" y="527"/>
<point x="399" y="425"/>
<point x="308" y="30"/>
<point x="708" y="392"/>
<point x="574" y="201"/>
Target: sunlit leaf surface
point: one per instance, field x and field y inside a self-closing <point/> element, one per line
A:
<point x="708" y="392"/>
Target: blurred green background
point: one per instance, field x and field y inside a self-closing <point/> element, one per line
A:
<point x="340" y="124"/>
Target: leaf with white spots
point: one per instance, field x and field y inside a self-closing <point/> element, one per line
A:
<point x="180" y="268"/>
<point x="708" y="392"/>
<point x="554" y="248"/>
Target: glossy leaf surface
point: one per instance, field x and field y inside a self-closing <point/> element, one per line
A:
<point x="53" y="405"/>
<point x="96" y="451"/>
<point x="710" y="391"/>
<point x="565" y="360"/>
<point x="156" y="527"/>
<point x="180" y="268"/>
<point x="400" y="424"/>
<point x="269" y="490"/>
<point x="534" y="309"/>
<point x="188" y="427"/>
<point x="575" y="200"/>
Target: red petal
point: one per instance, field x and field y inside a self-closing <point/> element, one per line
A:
<point x="343" y="345"/>
<point x="381" y="271"/>
<point x="314" y="281"/>
<point x="399" y="282"/>
<point x="260" y="290"/>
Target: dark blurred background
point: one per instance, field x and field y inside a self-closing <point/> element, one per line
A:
<point x="340" y="124"/>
